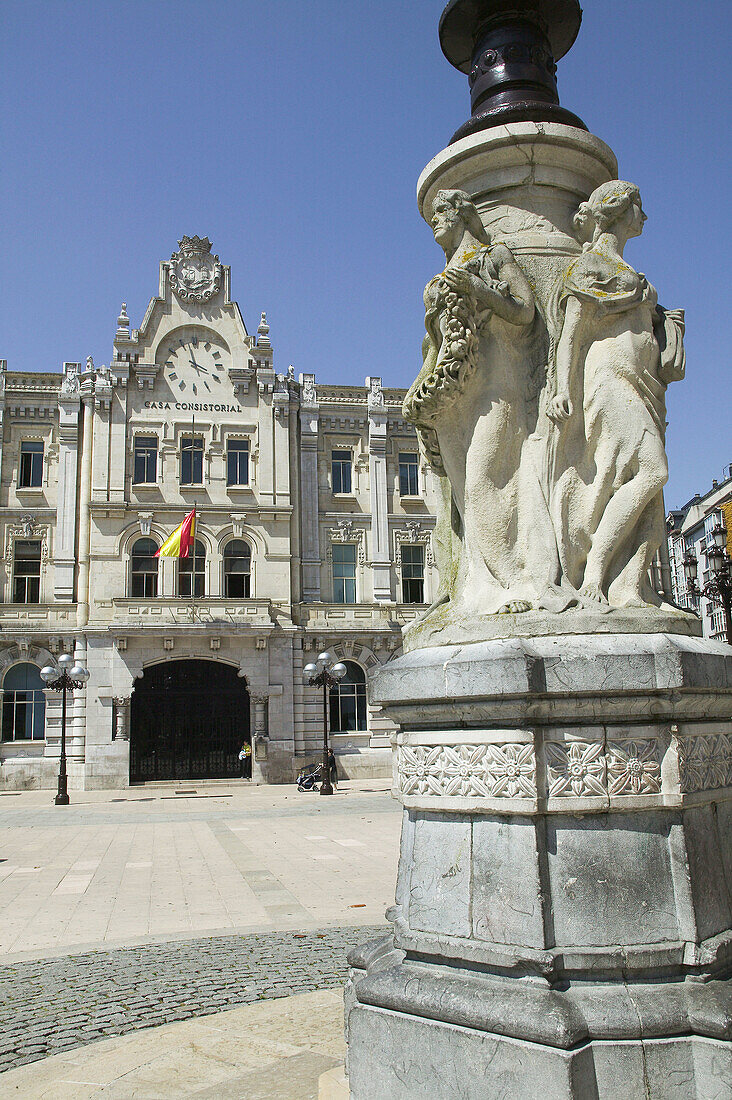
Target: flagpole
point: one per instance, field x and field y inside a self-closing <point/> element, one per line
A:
<point x="193" y="566"/>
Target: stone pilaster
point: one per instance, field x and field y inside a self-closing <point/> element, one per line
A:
<point x="309" y="506"/>
<point x="68" y="446"/>
<point x="260" y="739"/>
<point x="380" y="556"/>
<point x="82" y="595"/>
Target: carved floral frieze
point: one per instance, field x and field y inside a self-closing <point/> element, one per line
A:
<point x="576" y="769"/>
<point x="604" y="768"/>
<point x="487" y="771"/>
<point x="634" y="767"/>
<point x="705" y="762"/>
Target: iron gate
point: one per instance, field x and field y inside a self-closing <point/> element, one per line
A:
<point x="188" y="721"/>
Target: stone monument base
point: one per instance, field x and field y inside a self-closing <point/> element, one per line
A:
<point x="563" y="918"/>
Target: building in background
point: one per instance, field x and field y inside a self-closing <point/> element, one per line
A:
<point x="689" y="529"/>
<point x="315" y="519"/>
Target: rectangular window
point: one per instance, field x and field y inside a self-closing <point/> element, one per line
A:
<point x="30" y="475"/>
<point x="191" y="460"/>
<point x="340" y="469"/>
<point x="145" y="470"/>
<point x="237" y="462"/>
<point x="412" y="574"/>
<point x="408" y="475"/>
<point x="27" y="571"/>
<point x="23" y="715"/>
<point x="344" y="573"/>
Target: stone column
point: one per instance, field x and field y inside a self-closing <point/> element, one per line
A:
<point x="260" y="740"/>
<point x="68" y="442"/>
<point x="563" y="917"/>
<point x="82" y="596"/>
<point x="309" y="504"/>
<point x="121" y="719"/>
<point x="76" y="732"/>
<point x="380" y="554"/>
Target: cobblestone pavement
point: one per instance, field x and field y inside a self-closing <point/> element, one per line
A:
<point x="51" y="1005"/>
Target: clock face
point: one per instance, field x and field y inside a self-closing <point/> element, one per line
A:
<point x="194" y="363"/>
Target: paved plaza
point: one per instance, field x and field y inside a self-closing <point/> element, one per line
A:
<point x="135" y="909"/>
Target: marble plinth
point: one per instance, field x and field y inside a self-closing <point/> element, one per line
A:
<point x="563" y="917"/>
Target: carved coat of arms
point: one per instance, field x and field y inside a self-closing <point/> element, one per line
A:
<point x="195" y="274"/>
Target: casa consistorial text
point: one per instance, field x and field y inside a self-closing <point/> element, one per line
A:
<point x="188" y="406"/>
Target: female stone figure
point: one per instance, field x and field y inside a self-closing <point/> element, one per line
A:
<point x="472" y="406"/>
<point x="616" y="353"/>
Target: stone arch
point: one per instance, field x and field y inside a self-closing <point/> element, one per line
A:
<point x="244" y="531"/>
<point x="189" y="716"/>
<point x="15" y="655"/>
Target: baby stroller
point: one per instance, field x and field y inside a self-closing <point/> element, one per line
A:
<point x="309" y="777"/>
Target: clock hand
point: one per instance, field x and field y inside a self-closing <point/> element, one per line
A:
<point x="198" y="367"/>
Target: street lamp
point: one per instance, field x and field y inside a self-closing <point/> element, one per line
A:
<point x="324" y="673"/>
<point x="69" y="677"/>
<point x="718" y="589"/>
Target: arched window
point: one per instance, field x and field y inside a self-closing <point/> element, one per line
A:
<point x="237" y="570"/>
<point x="144" y="572"/>
<point x="348" y="701"/>
<point x="24" y="704"/>
<point x="186" y="568"/>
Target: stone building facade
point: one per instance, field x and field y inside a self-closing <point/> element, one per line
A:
<point x="315" y="520"/>
<point x="689" y="529"/>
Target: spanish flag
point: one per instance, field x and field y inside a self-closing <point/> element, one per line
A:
<point x="180" y="542"/>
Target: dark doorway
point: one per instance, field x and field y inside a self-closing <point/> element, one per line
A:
<point x="188" y="720"/>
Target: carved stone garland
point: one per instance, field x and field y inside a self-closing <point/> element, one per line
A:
<point x="412" y="533"/>
<point x="346" y="531"/>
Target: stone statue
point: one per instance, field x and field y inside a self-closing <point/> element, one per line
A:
<point x="552" y="471"/>
<point x="616" y="353"/>
<point x="70" y="381"/>
<point x="474" y="405"/>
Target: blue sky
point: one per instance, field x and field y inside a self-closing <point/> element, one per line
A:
<point x="293" y="135"/>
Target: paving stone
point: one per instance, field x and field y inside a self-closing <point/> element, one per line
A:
<point x="62" y="1003"/>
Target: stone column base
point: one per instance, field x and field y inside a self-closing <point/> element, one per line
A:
<point x="563" y="916"/>
<point x="419" y="1057"/>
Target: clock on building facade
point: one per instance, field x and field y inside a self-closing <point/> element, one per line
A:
<point x="194" y="362"/>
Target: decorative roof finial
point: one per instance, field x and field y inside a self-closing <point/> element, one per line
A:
<point x="263" y="340"/>
<point x="123" y="323"/>
<point x="509" y="49"/>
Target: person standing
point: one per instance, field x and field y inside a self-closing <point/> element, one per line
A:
<point x="332" y="769"/>
<point x="245" y="760"/>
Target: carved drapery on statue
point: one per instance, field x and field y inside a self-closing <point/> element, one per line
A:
<point x="547" y="420"/>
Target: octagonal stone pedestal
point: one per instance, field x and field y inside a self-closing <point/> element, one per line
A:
<point x="563" y="916"/>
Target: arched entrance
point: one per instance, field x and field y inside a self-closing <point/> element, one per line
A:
<point x="188" y="720"/>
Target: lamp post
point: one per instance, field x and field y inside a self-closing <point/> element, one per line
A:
<point x="324" y="673"/>
<point x="718" y="589"/>
<point x="69" y="677"/>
